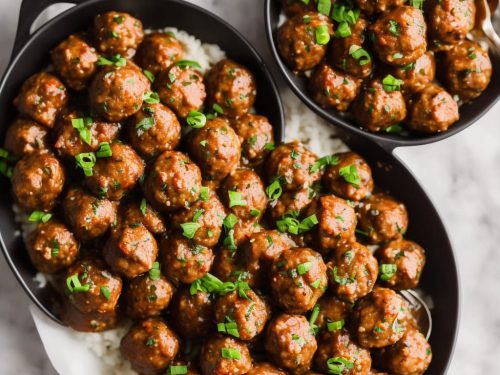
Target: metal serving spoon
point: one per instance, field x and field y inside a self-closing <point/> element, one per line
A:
<point x="420" y="309"/>
<point x="483" y="29"/>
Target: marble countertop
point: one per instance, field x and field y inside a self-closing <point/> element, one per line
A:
<point x="461" y="175"/>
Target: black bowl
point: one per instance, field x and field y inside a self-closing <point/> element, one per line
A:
<point x="469" y="113"/>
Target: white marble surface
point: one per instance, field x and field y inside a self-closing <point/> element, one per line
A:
<point x="461" y="174"/>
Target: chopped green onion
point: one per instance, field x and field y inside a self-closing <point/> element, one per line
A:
<point x="74" y="285"/>
<point x="316" y="283"/>
<point x="149" y="75"/>
<point x="105" y="292"/>
<point x="82" y="125"/>
<point x="323" y="162"/>
<point x="144" y="124"/>
<point x="407" y="67"/>
<point x="254" y="212"/>
<point x="187" y="63"/>
<point x="116" y="60"/>
<point x="151" y="97"/>
<point x="341" y="280"/>
<point x="338" y="365"/>
<point x="274" y="190"/>
<point x="394" y="129"/>
<point x="350" y="174"/>
<point x="313" y="318"/>
<point x="218" y="109"/>
<point x="322" y="35"/>
<point x="360" y="54"/>
<point x="177" y="370"/>
<point x="154" y="272"/>
<point x="39" y="216"/>
<point x="343" y="30"/>
<point x="303" y="268"/>
<point x="235" y="199"/>
<point x="335" y="326"/>
<point x="419" y="4"/>
<point x="189" y="229"/>
<point x="269" y="146"/>
<point x="230" y="353"/>
<point x="230" y="221"/>
<point x="306" y="19"/>
<point x="391" y="83"/>
<point x="104" y="150"/>
<point x="387" y="271"/>
<point x="341" y="13"/>
<point x="394" y="27"/>
<point x="204" y="193"/>
<point x="291" y="224"/>
<point x="324" y="7"/>
<point x="143" y="206"/>
<point x="196" y="119"/>
<point x="86" y="161"/>
<point x="397" y="55"/>
<point x="230" y="327"/>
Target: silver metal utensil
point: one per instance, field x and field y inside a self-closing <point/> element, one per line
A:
<point x="420" y="310"/>
<point x="483" y="29"/>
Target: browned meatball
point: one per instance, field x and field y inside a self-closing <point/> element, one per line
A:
<point x="352" y="272"/>
<point x="87" y="322"/>
<point x="158" y="52"/>
<point x="290" y="342"/>
<point x="37" y="181"/>
<point x="449" y="21"/>
<point x="298" y="279"/>
<point x="192" y="313"/>
<point x="340" y="53"/>
<point x="114" y="176"/>
<point x="229" y="265"/>
<point x="117" y="33"/>
<point x="89" y="217"/>
<point x="70" y="141"/>
<point x="51" y="247"/>
<point x="130" y="251"/>
<point x="337" y="348"/>
<point x="208" y="213"/>
<point x="153" y="129"/>
<point x="147" y="295"/>
<point x="264" y="368"/>
<point x="90" y="288"/>
<point x="232" y="87"/>
<point x="298" y="44"/>
<point x="331" y="310"/>
<point x="137" y="213"/>
<point x="409" y="356"/>
<point x="416" y="75"/>
<point x="291" y="164"/>
<point x="376" y="109"/>
<point x="183" y="260"/>
<point x="150" y="346"/>
<point x="292" y="201"/>
<point x="433" y="110"/>
<point x="466" y="70"/>
<point x="117" y="92"/>
<point x="399" y="36"/>
<point x="222" y="355"/>
<point x="370" y="7"/>
<point x="333" y="89"/>
<point x="380" y="318"/>
<point x="24" y="136"/>
<point x="250" y="314"/>
<point x="383" y="218"/>
<point x="256" y="137"/>
<point x="404" y="261"/>
<point x="216" y="148"/>
<point x="42" y="97"/>
<point x="350" y="178"/>
<point x="75" y="61"/>
<point x="336" y="223"/>
<point x="173" y="181"/>
<point x="182" y="89"/>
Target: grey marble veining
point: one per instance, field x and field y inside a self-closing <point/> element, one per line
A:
<point x="461" y="174"/>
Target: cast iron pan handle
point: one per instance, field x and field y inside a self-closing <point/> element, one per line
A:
<point x="30" y="10"/>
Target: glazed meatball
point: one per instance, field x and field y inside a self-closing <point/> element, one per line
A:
<point x="114" y="176"/>
<point x="256" y="138"/>
<point x="292" y="202"/>
<point x="117" y="33"/>
<point x="409" y="356"/>
<point x="24" y="136"/>
<point x="208" y="212"/>
<point x="416" y="75"/>
<point x="370" y="7"/>
<point x="449" y="21"/>
<point x="298" y="279"/>
<point x="408" y="258"/>
<point x="232" y="87"/>
<point x="433" y="110"/>
<point x="159" y="51"/>
<point x="290" y="342"/>
<point x="337" y="181"/>
<point x="352" y="272"/>
<point x="250" y="313"/>
<point x="339" y="54"/>
<point x="192" y="313"/>
<point x="336" y="223"/>
<point x="130" y="251"/>
<point x="291" y="164"/>
<point x="333" y="89"/>
<point x="69" y="141"/>
<point x="51" y="247"/>
<point x="150" y="346"/>
<point x="338" y="345"/>
<point x="399" y="36"/>
<point x="331" y="310"/>
<point x="229" y="265"/>
<point x="383" y="218"/>
<point x="173" y="181"/>
<point x="297" y="42"/>
<point x="41" y="98"/>
<point x="89" y="217"/>
<point x="380" y="318"/>
<point x="183" y="260"/>
<point x="147" y="295"/>
<point x="243" y="193"/>
<point x="376" y="109"/>
<point x="181" y="89"/>
<point x="117" y="92"/>
<point x="264" y="368"/>
<point x="224" y="356"/>
<point x="216" y="148"/>
<point x="153" y="129"/>
<point x="37" y="180"/>
<point x="136" y="213"/>
<point x="75" y="61"/>
<point x="466" y="70"/>
<point x="91" y="297"/>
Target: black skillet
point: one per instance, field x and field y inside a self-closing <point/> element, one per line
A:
<point x="469" y="113"/>
<point x="440" y="279"/>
